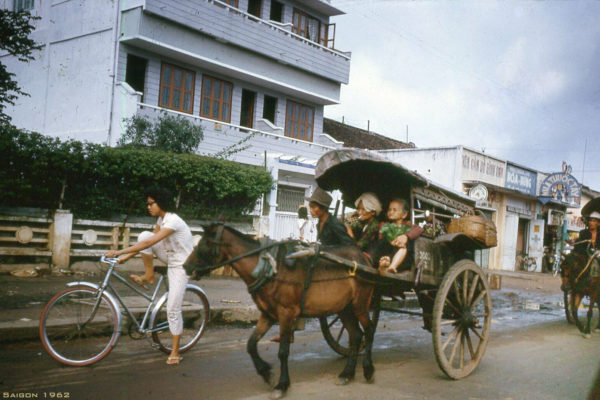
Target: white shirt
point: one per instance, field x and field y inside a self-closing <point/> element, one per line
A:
<point x="179" y="244"/>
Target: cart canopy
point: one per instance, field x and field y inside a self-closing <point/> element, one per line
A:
<point x="355" y="171"/>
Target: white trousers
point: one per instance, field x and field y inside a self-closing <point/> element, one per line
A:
<point x="178" y="280"/>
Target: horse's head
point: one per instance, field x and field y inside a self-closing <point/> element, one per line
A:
<point x="207" y="253"/>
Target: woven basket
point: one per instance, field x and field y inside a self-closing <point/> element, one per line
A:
<point x="477" y="227"/>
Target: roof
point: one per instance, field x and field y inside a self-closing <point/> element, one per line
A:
<point x="361" y="138"/>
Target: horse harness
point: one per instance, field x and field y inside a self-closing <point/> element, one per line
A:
<point x="266" y="268"/>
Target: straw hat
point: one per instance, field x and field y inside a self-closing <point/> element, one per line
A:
<point x="591" y="207"/>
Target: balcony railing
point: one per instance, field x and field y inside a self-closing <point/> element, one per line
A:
<point x="280" y="27"/>
<point x="264" y="141"/>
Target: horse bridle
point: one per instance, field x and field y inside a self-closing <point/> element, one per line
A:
<point x="218" y="240"/>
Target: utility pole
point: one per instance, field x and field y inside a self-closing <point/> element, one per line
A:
<point x="368" y="125"/>
<point x="406" y="133"/>
<point x="583" y="168"/>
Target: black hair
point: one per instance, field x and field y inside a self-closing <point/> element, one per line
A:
<point x="162" y="197"/>
<point x="302" y="212"/>
<point x="403" y="202"/>
<point x="321" y="206"/>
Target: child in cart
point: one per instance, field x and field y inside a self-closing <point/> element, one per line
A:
<point x="397" y="233"/>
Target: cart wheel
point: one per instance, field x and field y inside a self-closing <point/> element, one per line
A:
<point x="336" y="335"/>
<point x="462" y="315"/>
<point x="567" y="305"/>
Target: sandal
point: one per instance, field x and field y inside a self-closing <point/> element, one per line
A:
<point x="138" y="279"/>
<point x="174" y="360"/>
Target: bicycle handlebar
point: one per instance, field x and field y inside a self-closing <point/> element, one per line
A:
<point x="109" y="260"/>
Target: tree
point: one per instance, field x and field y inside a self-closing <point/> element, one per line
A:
<point x="168" y="133"/>
<point x="15" y="28"/>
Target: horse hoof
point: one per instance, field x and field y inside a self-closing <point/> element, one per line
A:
<point x="586" y="335"/>
<point x="277" y="394"/>
<point x="343" y="382"/>
<point x="597" y="330"/>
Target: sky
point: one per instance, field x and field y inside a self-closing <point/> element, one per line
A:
<point x="517" y="79"/>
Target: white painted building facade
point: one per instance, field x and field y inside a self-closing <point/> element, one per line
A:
<point x="510" y="197"/>
<point x="239" y="68"/>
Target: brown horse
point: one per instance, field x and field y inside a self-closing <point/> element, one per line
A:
<point x="333" y="290"/>
<point x="578" y="280"/>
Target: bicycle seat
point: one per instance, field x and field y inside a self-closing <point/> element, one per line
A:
<point x="161" y="270"/>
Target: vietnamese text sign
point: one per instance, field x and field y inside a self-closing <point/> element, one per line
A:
<point x="520" y="179"/>
<point x="561" y="187"/>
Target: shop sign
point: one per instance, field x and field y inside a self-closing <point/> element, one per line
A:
<point x="478" y="192"/>
<point x="520" y="179"/>
<point x="561" y="187"/>
<point x="575" y="223"/>
<point x="555" y="217"/>
<point x="520" y="211"/>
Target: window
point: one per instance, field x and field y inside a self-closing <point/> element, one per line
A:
<point x="254" y="7"/>
<point x="247" y="111"/>
<point x="269" y="108"/>
<point x="276" y="11"/>
<point x="299" y="120"/>
<point x="23" y="5"/>
<point x="309" y="27"/>
<point x="216" y="99"/>
<point x="289" y="198"/>
<point x="135" y="74"/>
<point x="233" y="3"/>
<point x="176" y="88"/>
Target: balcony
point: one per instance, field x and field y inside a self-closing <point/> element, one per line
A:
<point x="219" y="136"/>
<point x="231" y="26"/>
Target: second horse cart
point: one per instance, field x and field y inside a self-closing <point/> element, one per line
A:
<point x="451" y="288"/>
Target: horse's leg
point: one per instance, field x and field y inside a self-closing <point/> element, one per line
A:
<point x="369" y="329"/>
<point x="286" y="324"/>
<point x="262" y="326"/>
<point x="355" y="335"/>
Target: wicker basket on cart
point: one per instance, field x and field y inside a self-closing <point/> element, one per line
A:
<point x="477" y="227"/>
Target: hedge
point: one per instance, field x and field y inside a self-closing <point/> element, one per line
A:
<point x="101" y="181"/>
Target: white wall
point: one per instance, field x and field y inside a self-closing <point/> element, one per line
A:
<point x="436" y="164"/>
<point x="70" y="81"/>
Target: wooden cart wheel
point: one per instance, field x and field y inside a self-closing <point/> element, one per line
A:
<point x="462" y="316"/>
<point x="336" y="335"/>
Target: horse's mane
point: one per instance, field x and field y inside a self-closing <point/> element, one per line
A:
<point x="237" y="233"/>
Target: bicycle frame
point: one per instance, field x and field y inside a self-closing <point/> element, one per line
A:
<point x="107" y="288"/>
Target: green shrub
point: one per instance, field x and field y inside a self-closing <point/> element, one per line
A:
<point x="101" y="181"/>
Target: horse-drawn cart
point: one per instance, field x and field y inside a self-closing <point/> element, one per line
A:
<point x="451" y="288"/>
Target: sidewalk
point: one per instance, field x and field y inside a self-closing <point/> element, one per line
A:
<point x="23" y="299"/>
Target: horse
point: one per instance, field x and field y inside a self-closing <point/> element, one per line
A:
<point x="333" y="289"/>
<point x="578" y="280"/>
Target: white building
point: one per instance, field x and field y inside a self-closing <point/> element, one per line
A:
<point x="264" y="68"/>
<point x="507" y="193"/>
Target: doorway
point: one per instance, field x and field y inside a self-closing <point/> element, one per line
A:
<point x="247" y="112"/>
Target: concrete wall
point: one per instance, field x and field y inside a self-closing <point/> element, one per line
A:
<point x="70" y="82"/>
<point x="437" y="164"/>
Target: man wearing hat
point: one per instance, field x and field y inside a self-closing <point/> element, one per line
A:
<point x="591" y="213"/>
<point x="330" y="231"/>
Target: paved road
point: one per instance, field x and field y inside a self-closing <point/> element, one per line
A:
<point x="543" y="360"/>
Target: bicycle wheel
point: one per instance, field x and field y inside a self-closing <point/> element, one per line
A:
<point x="195" y="311"/>
<point x="76" y="329"/>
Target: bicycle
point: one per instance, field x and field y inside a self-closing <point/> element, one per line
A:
<point x="81" y="324"/>
<point x="525" y="263"/>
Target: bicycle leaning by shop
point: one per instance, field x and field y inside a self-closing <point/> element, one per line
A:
<point x="81" y="324"/>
